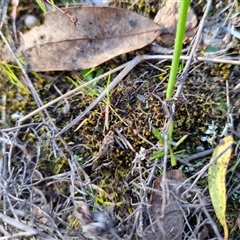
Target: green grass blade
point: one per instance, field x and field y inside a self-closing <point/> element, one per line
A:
<point x="183" y="13"/>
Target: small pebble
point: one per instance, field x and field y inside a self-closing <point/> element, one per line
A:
<point x="16" y="115"/>
<point x="100" y="2"/>
<point x="30" y="20"/>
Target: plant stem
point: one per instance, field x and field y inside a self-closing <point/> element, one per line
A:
<point x="183" y="13"/>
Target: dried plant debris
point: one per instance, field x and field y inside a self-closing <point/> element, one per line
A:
<point x="83" y="37"/>
<point x="219" y="32"/>
<point x="217" y="180"/>
<point x="238" y="221"/>
<point x="104" y="149"/>
<point x="95" y="225"/>
<point x="106" y="145"/>
<point x="166" y="213"/>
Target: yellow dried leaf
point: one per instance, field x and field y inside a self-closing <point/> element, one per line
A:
<point x="216" y="180"/>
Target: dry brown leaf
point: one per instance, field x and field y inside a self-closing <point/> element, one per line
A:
<point x="83" y="37"/>
<point x="170" y="225"/>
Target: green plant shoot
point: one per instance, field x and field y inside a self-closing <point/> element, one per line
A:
<point x="183" y="13"/>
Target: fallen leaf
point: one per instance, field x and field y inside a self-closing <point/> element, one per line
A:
<point x="83" y="37"/>
<point x="170" y="224"/>
<point x="216" y="180"/>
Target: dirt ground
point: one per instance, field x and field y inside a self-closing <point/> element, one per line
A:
<point x="111" y="175"/>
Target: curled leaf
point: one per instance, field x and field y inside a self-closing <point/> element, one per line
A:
<point x="216" y="180"/>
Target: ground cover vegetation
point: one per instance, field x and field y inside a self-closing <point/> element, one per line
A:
<point x="120" y="172"/>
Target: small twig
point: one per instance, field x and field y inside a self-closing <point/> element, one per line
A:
<point x="119" y="77"/>
<point x="28" y="231"/>
<point x="3" y="12"/>
<point x="151" y="175"/>
<point x="199" y="155"/>
<point x="14" y="17"/>
<point x="22" y="126"/>
<point x="211" y="222"/>
<point x="202" y="171"/>
<point x="127" y="68"/>
<point x="70" y="93"/>
<point x="3" y="143"/>
<point x="164" y="185"/>
<point x="29" y="83"/>
<point x="229" y="115"/>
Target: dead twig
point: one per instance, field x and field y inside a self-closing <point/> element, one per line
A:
<point x="3" y="12"/>
<point x="28" y="231"/>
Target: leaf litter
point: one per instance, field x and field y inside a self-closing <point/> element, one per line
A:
<point x="216" y="180"/>
<point x="83" y="37"/>
<point x="168" y="223"/>
<point x="157" y="203"/>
